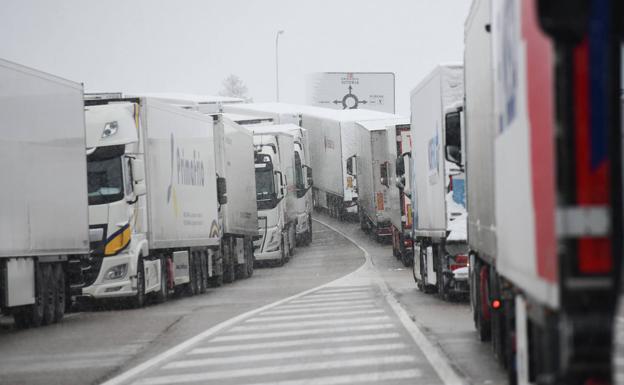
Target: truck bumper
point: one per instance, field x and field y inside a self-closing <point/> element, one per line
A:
<point x="302" y="224"/>
<point x="122" y="287"/>
<point x="267" y="256"/>
<point x="459" y="281"/>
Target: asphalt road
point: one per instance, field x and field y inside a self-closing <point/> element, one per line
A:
<point x="370" y="326"/>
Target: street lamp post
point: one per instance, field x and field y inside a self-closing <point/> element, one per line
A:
<point x="277" y="64"/>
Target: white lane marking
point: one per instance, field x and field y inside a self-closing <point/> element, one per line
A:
<point x="308" y="332"/>
<point x="374" y="377"/>
<point x="347" y="289"/>
<point x="432" y="352"/>
<point x="306" y="309"/>
<point x="342" y="298"/>
<point x="164" y="356"/>
<point x="339" y="295"/>
<point x="281" y="369"/>
<point x="316" y="314"/>
<point x="246" y="358"/>
<point x="291" y="343"/>
<point x="304" y="324"/>
<point x="370" y="301"/>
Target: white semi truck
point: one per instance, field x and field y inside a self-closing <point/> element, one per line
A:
<point x="283" y="114"/>
<point x="299" y="175"/>
<point x="275" y="195"/>
<point x="154" y="198"/>
<point x="439" y="224"/>
<point x="333" y="147"/>
<point x="375" y="163"/>
<point x="399" y="142"/>
<point x="233" y="149"/>
<point x="544" y="183"/>
<point x="206" y="104"/>
<point x="238" y="216"/>
<point x="43" y="199"/>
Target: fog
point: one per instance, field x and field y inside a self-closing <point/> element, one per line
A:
<point x="191" y="45"/>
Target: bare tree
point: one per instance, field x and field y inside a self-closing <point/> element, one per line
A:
<point x="234" y="87"/>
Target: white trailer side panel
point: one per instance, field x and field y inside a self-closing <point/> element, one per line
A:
<point x="43" y="199"/>
<point x="443" y="88"/>
<point x="377" y="140"/>
<point x="480" y="131"/>
<point x="240" y="211"/>
<point x="181" y="177"/>
<point x="524" y="177"/>
<point x="326" y="154"/>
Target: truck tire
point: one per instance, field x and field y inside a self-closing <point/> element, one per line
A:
<point x="309" y="237"/>
<point x="229" y="265"/>
<point x="292" y="239"/>
<point x="483" y="324"/>
<point x="243" y="268"/>
<point x="49" y="295"/>
<point x="163" y="293"/>
<point x="37" y="309"/>
<point x="61" y="294"/>
<point x="217" y="278"/>
<point x="249" y="256"/>
<point x="203" y="269"/>
<point x="282" y="259"/>
<point x="139" y="299"/>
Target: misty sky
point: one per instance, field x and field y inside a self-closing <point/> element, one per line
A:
<point x="192" y="45"/>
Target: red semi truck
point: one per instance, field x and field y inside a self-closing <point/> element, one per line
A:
<point x="544" y="184"/>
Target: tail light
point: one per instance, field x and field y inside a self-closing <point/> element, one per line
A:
<point x="458" y="261"/>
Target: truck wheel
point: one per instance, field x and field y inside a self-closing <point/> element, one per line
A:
<point x="163" y="293"/>
<point x="282" y="259"/>
<point x="203" y="268"/>
<point x="292" y="238"/>
<point x="249" y="256"/>
<point x="441" y="279"/>
<point x="22" y="316"/>
<point x="229" y="265"/>
<point x="217" y="278"/>
<point x="286" y="244"/>
<point x="242" y="269"/>
<point x="196" y="278"/>
<point x="37" y="309"/>
<point x="139" y="299"/>
<point x="483" y="324"/>
<point x="309" y="240"/>
<point x="406" y="258"/>
<point x="200" y="287"/>
<point x="61" y="296"/>
<point x="49" y="294"/>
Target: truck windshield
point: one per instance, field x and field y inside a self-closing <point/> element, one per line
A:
<point x="265" y="188"/>
<point x="105" y="179"/>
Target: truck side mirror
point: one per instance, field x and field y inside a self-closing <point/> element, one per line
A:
<point x="399" y="166"/>
<point x="138" y="170"/>
<point x="221" y="190"/>
<point x="309" y="175"/>
<point x="383" y="172"/>
<point x="139" y="188"/>
<point x="350" y="165"/>
<point x="452" y="148"/>
<point x="279" y="183"/>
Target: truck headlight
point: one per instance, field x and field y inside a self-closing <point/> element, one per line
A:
<point x="116" y="272"/>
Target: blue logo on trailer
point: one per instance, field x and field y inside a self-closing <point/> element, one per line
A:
<point x="509" y="65"/>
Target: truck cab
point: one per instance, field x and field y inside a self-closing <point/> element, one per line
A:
<point x="271" y="191"/>
<point x="115" y="173"/>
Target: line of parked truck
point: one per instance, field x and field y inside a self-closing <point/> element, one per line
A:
<point x="514" y="175"/>
<point x="504" y="185"/>
<point x="110" y="196"/>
